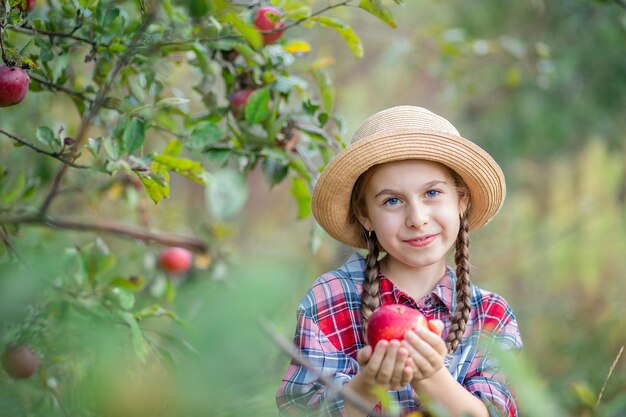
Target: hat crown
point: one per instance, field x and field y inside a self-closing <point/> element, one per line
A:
<point x="399" y="118"/>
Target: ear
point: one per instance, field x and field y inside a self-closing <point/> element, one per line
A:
<point x="464" y="203"/>
<point x="365" y="222"/>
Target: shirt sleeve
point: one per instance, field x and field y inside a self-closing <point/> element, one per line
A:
<point x="301" y="392"/>
<point x="487" y="381"/>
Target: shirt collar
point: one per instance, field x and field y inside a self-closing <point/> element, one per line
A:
<point x="444" y="292"/>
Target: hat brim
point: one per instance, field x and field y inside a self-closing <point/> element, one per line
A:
<point x="333" y="190"/>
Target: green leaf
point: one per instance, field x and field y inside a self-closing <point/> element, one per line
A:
<point x="46" y="135"/>
<point x="157" y="185"/>
<point x="274" y="170"/>
<point x="249" y="32"/>
<point x="378" y="9"/>
<point x="15" y="189"/>
<point x="302" y="195"/>
<point x="182" y="166"/>
<point x="97" y="260"/>
<point x="218" y="155"/>
<point x="173" y="148"/>
<point x="117" y="47"/>
<point x="198" y="8"/>
<point x="345" y="31"/>
<point x="139" y="344"/>
<point x="171" y="102"/>
<point x="122" y="297"/>
<point x="257" y="108"/>
<point x="584" y="393"/>
<point x="327" y="90"/>
<point x="113" y="147"/>
<point x="133" y="283"/>
<point x="134" y="134"/>
<point x="203" y="134"/>
<point x="226" y="194"/>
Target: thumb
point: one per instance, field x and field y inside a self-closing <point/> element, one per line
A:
<point x="363" y="355"/>
<point x="436" y="326"/>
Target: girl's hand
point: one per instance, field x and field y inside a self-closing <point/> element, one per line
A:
<point x="426" y="349"/>
<point x="388" y="365"/>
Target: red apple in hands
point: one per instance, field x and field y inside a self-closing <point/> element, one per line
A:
<point x="20" y="362"/>
<point x="175" y="260"/>
<point x="27" y="5"/>
<point x="13" y="85"/>
<point x="391" y="321"/>
<point x="268" y="19"/>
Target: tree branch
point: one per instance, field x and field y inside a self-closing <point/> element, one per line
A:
<point x="114" y="228"/>
<point x="32" y="30"/>
<point x="55" y="155"/>
<point x="71" y="92"/>
<point x="95" y="108"/>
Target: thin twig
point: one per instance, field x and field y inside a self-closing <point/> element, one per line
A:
<point x="42" y="151"/>
<point x="59" y="402"/>
<point x="71" y="92"/>
<point x="114" y="228"/>
<point x="287" y="347"/>
<point x="609" y="375"/>
<point x="32" y="30"/>
<point x="9" y="245"/>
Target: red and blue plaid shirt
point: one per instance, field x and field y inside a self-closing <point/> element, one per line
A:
<point x="329" y="332"/>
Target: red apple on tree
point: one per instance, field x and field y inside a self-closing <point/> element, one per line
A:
<point x="20" y="362"/>
<point x="239" y="99"/>
<point x="27" y="5"/>
<point x="268" y="20"/>
<point x="13" y="85"/>
<point x="175" y="260"/>
<point x="391" y="321"/>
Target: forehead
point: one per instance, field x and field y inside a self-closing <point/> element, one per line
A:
<point x="409" y="171"/>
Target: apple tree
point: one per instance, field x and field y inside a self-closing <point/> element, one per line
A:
<point x="106" y="106"/>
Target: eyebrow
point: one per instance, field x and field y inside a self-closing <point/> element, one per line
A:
<point x="394" y="192"/>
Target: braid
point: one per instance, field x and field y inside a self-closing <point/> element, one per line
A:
<point x="371" y="289"/>
<point x="463" y="307"/>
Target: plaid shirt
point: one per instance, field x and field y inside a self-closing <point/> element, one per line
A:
<point x="329" y="333"/>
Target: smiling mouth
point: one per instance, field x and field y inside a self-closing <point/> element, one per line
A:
<point x="422" y="240"/>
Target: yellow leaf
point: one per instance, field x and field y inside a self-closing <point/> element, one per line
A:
<point x="297" y="46"/>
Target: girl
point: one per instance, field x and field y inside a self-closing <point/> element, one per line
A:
<point x="408" y="187"/>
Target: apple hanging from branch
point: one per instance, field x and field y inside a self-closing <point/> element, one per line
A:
<point x="175" y="260"/>
<point x="268" y="20"/>
<point x="27" y="5"/>
<point x="238" y="101"/>
<point x="13" y="85"/>
<point x="20" y="362"/>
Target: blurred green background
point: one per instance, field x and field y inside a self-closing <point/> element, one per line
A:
<point x="540" y="85"/>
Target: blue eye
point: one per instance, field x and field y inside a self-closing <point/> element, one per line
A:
<point x="393" y="201"/>
<point x="432" y="193"/>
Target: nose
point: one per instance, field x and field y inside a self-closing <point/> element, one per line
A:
<point x="417" y="215"/>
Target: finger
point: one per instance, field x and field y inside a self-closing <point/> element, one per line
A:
<point x="433" y="339"/>
<point x="436" y="326"/>
<point x="400" y="364"/>
<point x="363" y="355"/>
<point x="375" y="359"/>
<point x="387" y="366"/>
<point x="425" y="356"/>
<point x="407" y="375"/>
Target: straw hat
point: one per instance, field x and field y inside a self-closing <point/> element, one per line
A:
<point x="399" y="133"/>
